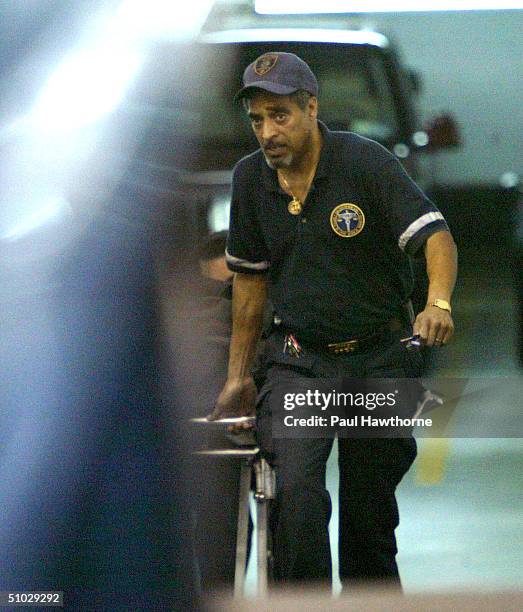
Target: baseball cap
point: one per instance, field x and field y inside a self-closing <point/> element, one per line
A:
<point x="279" y="73"/>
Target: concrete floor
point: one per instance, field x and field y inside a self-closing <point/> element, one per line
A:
<point x="461" y="504"/>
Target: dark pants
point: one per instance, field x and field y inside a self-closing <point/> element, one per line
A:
<point x="370" y="470"/>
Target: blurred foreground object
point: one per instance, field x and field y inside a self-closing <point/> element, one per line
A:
<point x="94" y="463"/>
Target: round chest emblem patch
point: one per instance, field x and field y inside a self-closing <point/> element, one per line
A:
<point x="347" y="220"/>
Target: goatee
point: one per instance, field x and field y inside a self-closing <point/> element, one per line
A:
<point x="280" y="163"/>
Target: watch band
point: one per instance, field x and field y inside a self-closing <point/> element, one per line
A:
<point x="443" y="304"/>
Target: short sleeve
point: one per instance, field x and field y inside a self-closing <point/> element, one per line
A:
<point x="246" y="250"/>
<point x="411" y="215"/>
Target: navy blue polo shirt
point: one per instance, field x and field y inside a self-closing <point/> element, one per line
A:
<point x="341" y="268"/>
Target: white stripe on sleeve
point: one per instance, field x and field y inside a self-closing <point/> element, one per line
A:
<point x="416" y="226"/>
<point x="243" y="263"/>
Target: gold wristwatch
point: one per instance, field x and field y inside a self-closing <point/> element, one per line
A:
<point x="443" y="304"/>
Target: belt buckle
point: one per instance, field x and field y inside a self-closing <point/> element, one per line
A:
<point x="343" y="347"/>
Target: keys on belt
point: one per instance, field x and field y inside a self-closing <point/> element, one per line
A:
<point x="291" y="346"/>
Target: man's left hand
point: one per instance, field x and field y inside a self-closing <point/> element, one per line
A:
<point x="434" y="326"/>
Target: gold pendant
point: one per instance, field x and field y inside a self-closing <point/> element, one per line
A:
<point x="294" y="206"/>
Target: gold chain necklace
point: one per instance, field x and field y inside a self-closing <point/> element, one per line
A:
<point x="295" y="206"/>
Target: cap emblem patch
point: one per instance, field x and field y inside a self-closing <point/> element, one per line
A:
<point x="265" y="63"/>
<point x="347" y="220"/>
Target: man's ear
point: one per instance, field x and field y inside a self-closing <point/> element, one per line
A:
<point x="313" y="107"/>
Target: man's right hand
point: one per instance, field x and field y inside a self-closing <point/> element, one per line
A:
<point x="237" y="399"/>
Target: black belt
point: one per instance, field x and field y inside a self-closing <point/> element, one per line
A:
<point x="360" y="345"/>
<point x="354" y="345"/>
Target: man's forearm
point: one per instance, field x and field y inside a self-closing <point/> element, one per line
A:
<point x="248" y="302"/>
<point x="442" y="266"/>
<point x="434" y="324"/>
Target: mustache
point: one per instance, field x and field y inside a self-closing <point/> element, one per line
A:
<point x="272" y="145"/>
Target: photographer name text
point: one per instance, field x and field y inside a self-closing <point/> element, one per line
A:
<point x="355" y="421"/>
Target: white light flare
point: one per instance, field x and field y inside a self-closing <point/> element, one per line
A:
<point x="42" y="215"/>
<point x="86" y="86"/>
<point x="92" y="80"/>
<point x="66" y="117"/>
<point x="163" y="18"/>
